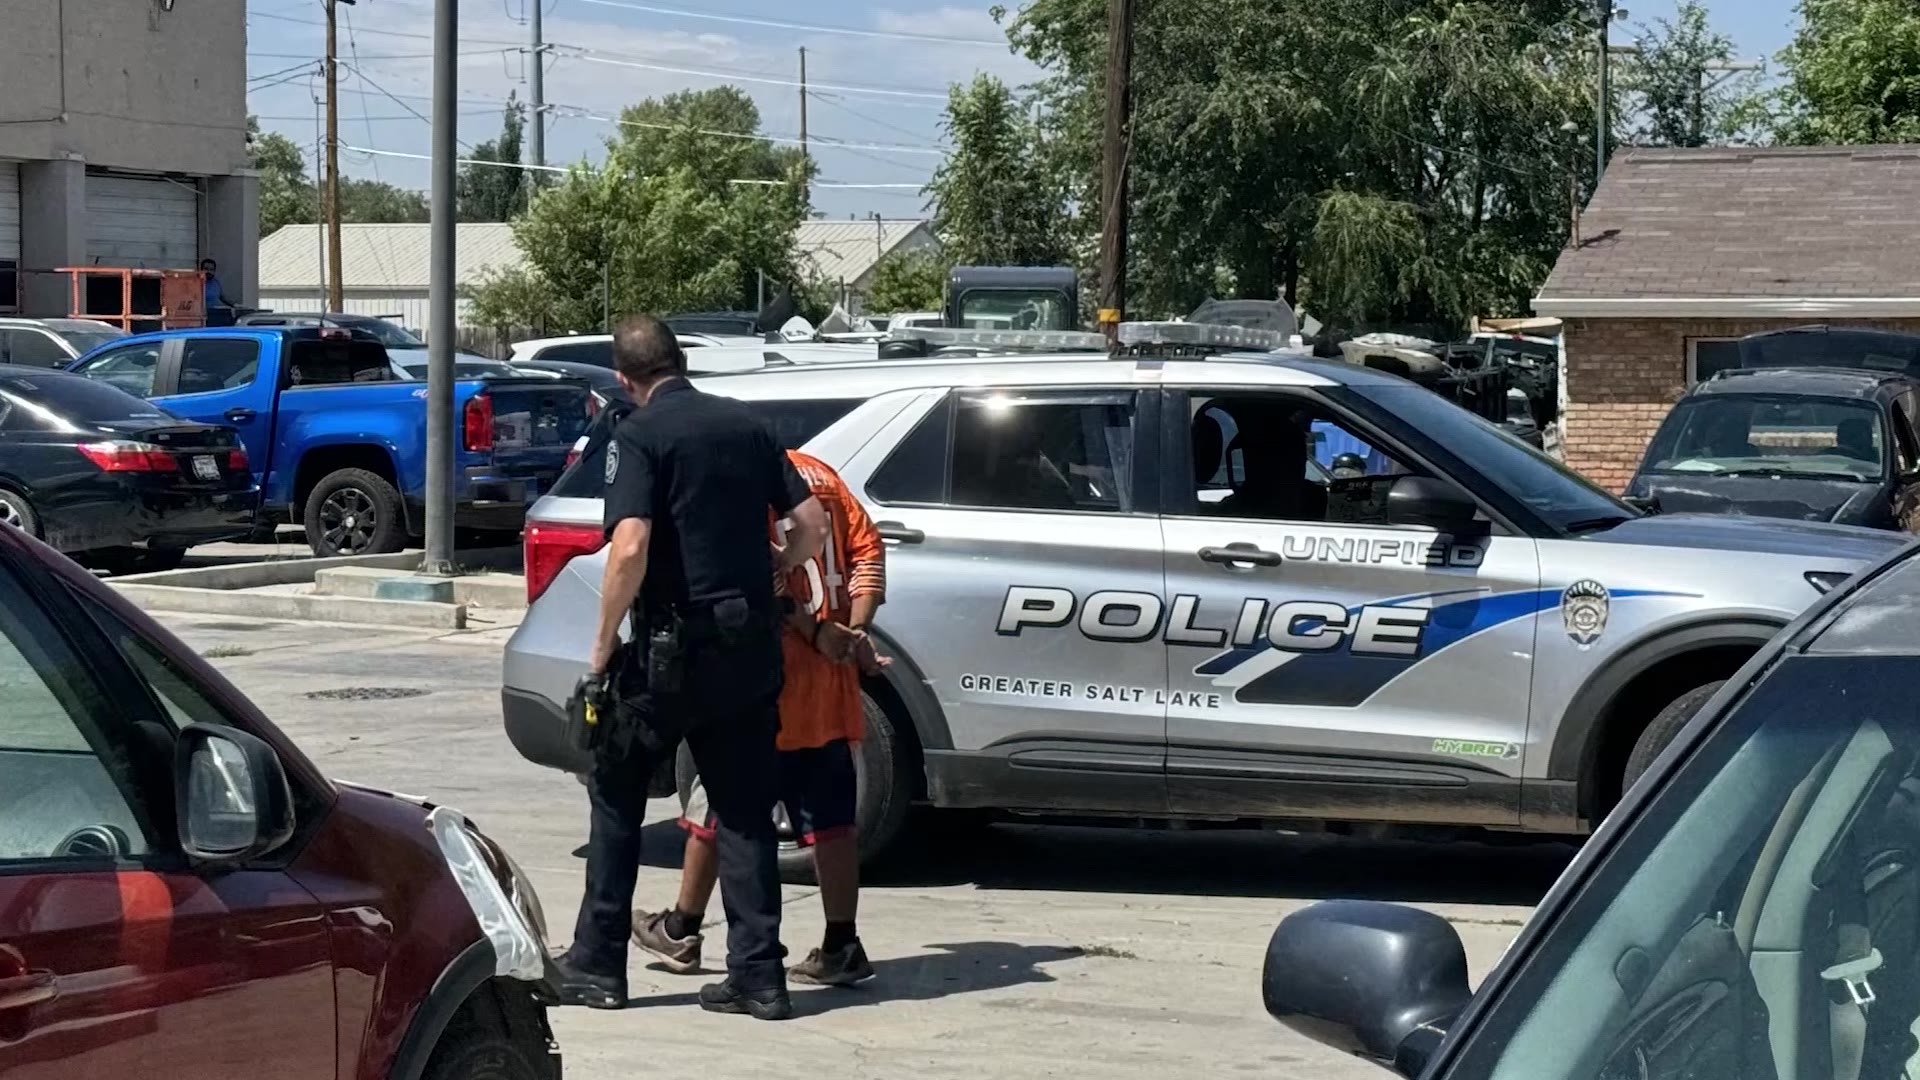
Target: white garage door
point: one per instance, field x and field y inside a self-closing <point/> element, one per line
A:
<point x="145" y="223"/>
<point x="9" y="233"/>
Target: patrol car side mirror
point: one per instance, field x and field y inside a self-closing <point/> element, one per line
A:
<point x="1379" y="981"/>
<point x="1437" y="504"/>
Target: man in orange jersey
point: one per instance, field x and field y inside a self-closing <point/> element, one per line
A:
<point x="825" y="647"/>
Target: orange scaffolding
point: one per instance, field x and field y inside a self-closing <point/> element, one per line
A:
<point x="178" y="302"/>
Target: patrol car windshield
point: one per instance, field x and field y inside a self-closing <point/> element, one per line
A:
<point x="1761" y="435"/>
<point x="1560" y="497"/>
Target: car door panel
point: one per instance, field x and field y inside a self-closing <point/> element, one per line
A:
<point x="1038" y="634"/>
<point x="202" y="381"/>
<point x="1349" y="669"/>
<point x="119" y="959"/>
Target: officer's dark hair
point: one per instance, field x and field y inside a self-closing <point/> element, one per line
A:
<point x="644" y="349"/>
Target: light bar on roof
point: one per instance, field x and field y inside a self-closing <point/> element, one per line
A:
<point x="1215" y="335"/>
<point x="1057" y="340"/>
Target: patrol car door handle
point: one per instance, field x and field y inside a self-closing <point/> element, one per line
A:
<point x="1239" y="555"/>
<point x="893" y="530"/>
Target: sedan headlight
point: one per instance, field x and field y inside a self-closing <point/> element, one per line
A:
<point x="509" y="915"/>
<point x="1825" y="581"/>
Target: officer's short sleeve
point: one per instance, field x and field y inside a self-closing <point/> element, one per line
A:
<point x="786" y="488"/>
<point x="632" y="473"/>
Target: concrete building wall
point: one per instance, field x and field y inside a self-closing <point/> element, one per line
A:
<point x="125" y="84"/>
<point x="1623" y="375"/>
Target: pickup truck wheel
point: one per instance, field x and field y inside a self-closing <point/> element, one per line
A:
<point x="883" y="767"/>
<point x="354" y="512"/>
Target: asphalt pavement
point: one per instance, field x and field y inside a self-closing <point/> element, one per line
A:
<point x="1010" y="950"/>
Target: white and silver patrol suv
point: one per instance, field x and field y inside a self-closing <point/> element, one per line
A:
<point x="1237" y="587"/>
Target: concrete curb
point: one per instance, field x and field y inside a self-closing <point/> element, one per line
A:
<point x="291" y="606"/>
<point x="503" y="591"/>
<point x="253" y="575"/>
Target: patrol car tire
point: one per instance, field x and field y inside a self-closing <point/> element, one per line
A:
<point x="1666" y="724"/>
<point x="366" y="493"/>
<point x="884" y="766"/>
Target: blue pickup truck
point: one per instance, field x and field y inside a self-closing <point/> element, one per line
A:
<point x="337" y="438"/>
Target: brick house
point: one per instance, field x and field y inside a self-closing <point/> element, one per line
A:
<point x="1682" y="251"/>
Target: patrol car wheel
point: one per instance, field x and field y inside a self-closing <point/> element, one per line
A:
<point x="881" y="766"/>
<point x="1666" y="724"/>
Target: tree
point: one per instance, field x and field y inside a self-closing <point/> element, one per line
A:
<point x="664" y="224"/>
<point x="1853" y="74"/>
<point x="995" y="202"/>
<point x="1674" y="98"/>
<point x="1394" y="161"/>
<point x="910" y="281"/>
<point x="375" y="202"/>
<point x="495" y="192"/>
<point x="286" y="195"/>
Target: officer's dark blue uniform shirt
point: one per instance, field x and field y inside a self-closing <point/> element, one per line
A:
<point x="704" y="470"/>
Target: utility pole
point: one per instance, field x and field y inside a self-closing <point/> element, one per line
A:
<point x="335" y="287"/>
<point x="879" y="237"/>
<point x="537" y="88"/>
<point x="440" y="331"/>
<point x="1603" y="104"/>
<point x="1115" y="150"/>
<point x="803" y="106"/>
<point x="320" y="203"/>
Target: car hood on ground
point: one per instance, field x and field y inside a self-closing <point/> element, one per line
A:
<point x="1845" y="502"/>
<point x="1758" y="535"/>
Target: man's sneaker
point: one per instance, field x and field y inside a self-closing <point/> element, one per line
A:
<point x="678" y="955"/>
<point x="727" y="997"/>
<point x="841" y="967"/>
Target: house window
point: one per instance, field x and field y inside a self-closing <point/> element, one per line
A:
<point x="1707" y="357"/>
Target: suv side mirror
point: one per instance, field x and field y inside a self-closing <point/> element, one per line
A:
<point x="231" y="796"/>
<point x="1423" y="500"/>
<point x="1379" y="981"/>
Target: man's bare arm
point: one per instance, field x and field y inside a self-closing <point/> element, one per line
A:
<point x="626" y="570"/>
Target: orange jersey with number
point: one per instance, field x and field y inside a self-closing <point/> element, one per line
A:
<point x="821" y="701"/>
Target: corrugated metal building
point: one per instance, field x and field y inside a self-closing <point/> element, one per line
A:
<point x="383" y="268"/>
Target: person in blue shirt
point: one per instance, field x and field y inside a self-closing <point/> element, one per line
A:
<point x="219" y="308"/>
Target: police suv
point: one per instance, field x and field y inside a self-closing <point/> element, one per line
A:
<point x="1194" y="580"/>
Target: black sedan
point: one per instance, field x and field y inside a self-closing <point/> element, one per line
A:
<point x="1811" y="444"/>
<point x="111" y="479"/>
<point x="1750" y="910"/>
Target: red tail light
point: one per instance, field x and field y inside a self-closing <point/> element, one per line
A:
<point x="479" y="422"/>
<point x="237" y="460"/>
<point x="122" y="456"/>
<point x="550" y="546"/>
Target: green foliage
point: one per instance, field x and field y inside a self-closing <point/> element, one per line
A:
<point x="1672" y="97"/>
<point x="1853" y="74"/>
<point x="375" y="202"/>
<point x="1391" y="161"/>
<point x="913" y="281"/>
<point x="661" y="222"/>
<point x="286" y="195"/>
<point x="491" y="192"/>
<point x="997" y="199"/>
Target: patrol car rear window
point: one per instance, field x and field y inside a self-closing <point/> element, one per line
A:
<point x="794" y="424"/>
<point x="1028" y="451"/>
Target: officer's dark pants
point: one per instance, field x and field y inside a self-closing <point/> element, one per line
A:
<point x="735" y="753"/>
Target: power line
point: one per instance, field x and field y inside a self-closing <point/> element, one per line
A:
<point x="299" y="68"/>
<point x="845" y="108"/>
<point x="382" y="33"/>
<point x="395" y="98"/>
<point x="457" y="161"/>
<point x="895" y="35"/>
<point x="592" y="56"/>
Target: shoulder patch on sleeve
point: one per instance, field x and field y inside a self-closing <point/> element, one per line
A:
<point x="613" y="460"/>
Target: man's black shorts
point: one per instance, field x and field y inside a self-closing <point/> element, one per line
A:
<point x="818" y="789"/>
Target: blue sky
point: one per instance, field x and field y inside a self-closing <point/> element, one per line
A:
<point x="888" y="88"/>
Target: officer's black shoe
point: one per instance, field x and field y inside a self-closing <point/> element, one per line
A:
<point x="567" y="984"/>
<point x="726" y="997"/>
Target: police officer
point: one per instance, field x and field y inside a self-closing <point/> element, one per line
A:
<point x="690" y="478"/>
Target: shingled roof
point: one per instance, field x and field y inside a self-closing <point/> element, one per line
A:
<point x="1740" y="231"/>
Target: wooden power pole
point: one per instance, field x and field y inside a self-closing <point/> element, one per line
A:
<point x="1113" y="166"/>
<point x="335" y="287"/>
<point x="803" y="103"/>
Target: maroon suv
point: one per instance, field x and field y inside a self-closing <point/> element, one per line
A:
<point x="182" y="894"/>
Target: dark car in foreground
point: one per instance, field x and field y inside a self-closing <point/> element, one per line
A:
<point x="1811" y="444"/>
<point x="184" y="896"/>
<point x="112" y="479"/>
<point x="1750" y="910"/>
